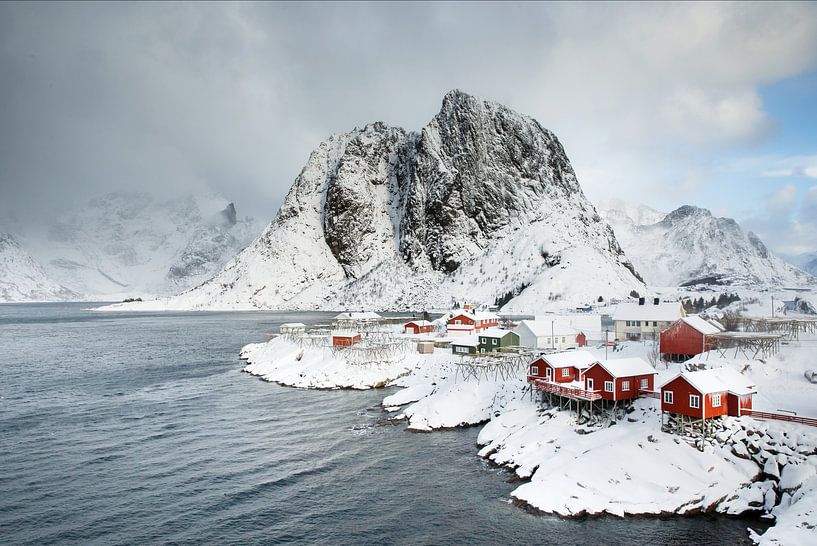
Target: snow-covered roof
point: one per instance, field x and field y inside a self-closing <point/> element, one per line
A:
<point x="293" y="325"/>
<point x="345" y="334"/>
<point x="477" y="315"/>
<point x="495" y="332"/>
<point x="468" y="341"/>
<point x="717" y="380"/>
<point x="665" y="312"/>
<point x="584" y="322"/>
<point x="420" y="322"/>
<point x="626" y="367"/>
<point x="701" y="325"/>
<point x="541" y="328"/>
<point x="362" y="315"/>
<point x="577" y="359"/>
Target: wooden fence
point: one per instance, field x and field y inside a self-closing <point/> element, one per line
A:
<point x="810" y="421"/>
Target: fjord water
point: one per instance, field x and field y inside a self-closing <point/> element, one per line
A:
<point x="141" y="428"/>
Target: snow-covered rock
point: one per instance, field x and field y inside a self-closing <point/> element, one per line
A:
<point x="482" y="202"/>
<point x="690" y="246"/>
<point x="23" y="279"/>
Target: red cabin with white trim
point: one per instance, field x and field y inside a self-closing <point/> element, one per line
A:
<point x="686" y="337"/>
<point x="707" y="393"/>
<point x="418" y="327"/>
<point x="345" y="339"/>
<point x="471" y="322"/>
<point x="620" y="379"/>
<point x="564" y="367"/>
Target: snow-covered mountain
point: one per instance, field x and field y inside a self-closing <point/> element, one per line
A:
<point x="691" y="246"/>
<point x="23" y="279"/>
<point x="131" y="244"/>
<point x="807" y="262"/>
<point x="481" y="203"/>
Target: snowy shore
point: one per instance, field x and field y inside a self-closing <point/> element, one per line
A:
<point x="621" y="467"/>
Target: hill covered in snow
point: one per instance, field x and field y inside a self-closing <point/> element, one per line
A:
<point x="481" y="203"/>
<point x="23" y="279"/>
<point x="131" y="244"/>
<point x="689" y="246"/>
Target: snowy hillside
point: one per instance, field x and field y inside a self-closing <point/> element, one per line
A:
<point x="130" y="244"/>
<point x="481" y="203"/>
<point x="807" y="262"/>
<point x="691" y="246"/>
<point x="22" y="278"/>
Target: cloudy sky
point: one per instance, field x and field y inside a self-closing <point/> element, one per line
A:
<point x="707" y="104"/>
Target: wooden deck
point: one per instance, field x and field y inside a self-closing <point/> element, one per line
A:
<point x="567" y="392"/>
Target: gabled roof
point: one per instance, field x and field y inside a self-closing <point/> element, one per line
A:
<point x="665" y="312"/>
<point x="477" y="315"/>
<point x="293" y="325"/>
<point x="420" y="323"/>
<point x="626" y="367"/>
<point x="700" y="324"/>
<point x="717" y="380"/>
<point x="578" y="359"/>
<point x="341" y="333"/>
<point x="495" y="332"/>
<point x="541" y="328"/>
<point x="467" y="341"/>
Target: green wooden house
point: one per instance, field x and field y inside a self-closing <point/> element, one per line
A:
<point x="494" y="339"/>
<point x="465" y="345"/>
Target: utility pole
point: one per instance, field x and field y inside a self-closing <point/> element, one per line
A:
<point x="772" y="306"/>
<point x="606" y="342"/>
<point x="552" y="339"/>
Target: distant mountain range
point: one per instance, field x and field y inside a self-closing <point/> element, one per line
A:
<point x="131" y="244"/>
<point x="689" y="246"/>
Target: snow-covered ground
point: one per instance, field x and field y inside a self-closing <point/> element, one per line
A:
<point x="622" y="466"/>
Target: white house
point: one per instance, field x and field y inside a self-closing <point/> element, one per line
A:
<point x="546" y="334"/>
<point x="587" y="323"/>
<point x="646" y="318"/>
<point x="292" y="328"/>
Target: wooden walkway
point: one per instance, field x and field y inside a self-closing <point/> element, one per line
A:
<point x="810" y="421"/>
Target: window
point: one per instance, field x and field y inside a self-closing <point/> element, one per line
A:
<point x="668" y="397"/>
<point x="655" y="323"/>
<point x="534" y="370"/>
<point x="547" y="340"/>
<point x="590" y="383"/>
<point x="458" y="321"/>
<point x="482" y="350"/>
<point x="494" y="341"/>
<point x="716" y="400"/>
<point x="608" y="386"/>
<point x="694" y="401"/>
<point x="461" y="349"/>
<point x="483" y="340"/>
<point x="563" y="340"/>
<point x="627" y="322"/>
<point x="565" y="372"/>
<point x="625" y="385"/>
<point x="645" y="384"/>
<point x="638" y="323"/>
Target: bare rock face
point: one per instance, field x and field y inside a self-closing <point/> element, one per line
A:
<point x="388" y="218"/>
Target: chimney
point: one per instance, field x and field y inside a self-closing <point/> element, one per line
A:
<point x="656" y="301"/>
<point x="640" y="301"/>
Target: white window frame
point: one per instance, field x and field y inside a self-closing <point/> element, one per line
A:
<point x="461" y="349"/>
<point x="645" y="384"/>
<point x="458" y="321"/>
<point x="668" y="397"/>
<point x="534" y="370"/>
<point x="494" y="341"/>
<point x="716" y="400"/>
<point x="609" y="386"/>
<point x="565" y="372"/>
<point x="549" y="373"/>
<point x="625" y="385"/>
<point x="590" y="383"/>
<point x="697" y="401"/>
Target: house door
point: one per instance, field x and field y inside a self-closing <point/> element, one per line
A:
<point x="549" y="374"/>
<point x="590" y="384"/>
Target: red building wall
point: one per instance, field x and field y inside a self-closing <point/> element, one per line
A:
<point x="599" y="375"/>
<point x="681" y="389"/>
<point x="411" y="328"/>
<point x="733" y="401"/>
<point x="345" y="341"/>
<point x="581" y="340"/>
<point x="463" y="318"/>
<point x="573" y="373"/>
<point x="682" y="339"/>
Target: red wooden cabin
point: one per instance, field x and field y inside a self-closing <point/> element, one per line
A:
<point x="561" y="367"/>
<point x="707" y="393"/>
<point x="472" y="321"/>
<point x="581" y="340"/>
<point x="345" y="339"/>
<point x="686" y="337"/>
<point x="620" y="379"/>
<point x="418" y="327"/>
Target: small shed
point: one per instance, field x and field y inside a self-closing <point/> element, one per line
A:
<point x="418" y="327"/>
<point x="621" y="378"/>
<point x="425" y="347"/>
<point x="465" y="345"/>
<point x="292" y="328"/>
<point x="562" y="367"/>
<point x="686" y="337"/>
<point x="494" y="339"/>
<point x="707" y="393"/>
<point x="345" y="339"/>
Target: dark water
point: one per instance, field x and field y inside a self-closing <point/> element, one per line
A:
<point x="119" y="428"/>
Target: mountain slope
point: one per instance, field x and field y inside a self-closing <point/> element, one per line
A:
<point x="22" y="278"/>
<point x="691" y="246"/>
<point x="481" y="202"/>
<point x="128" y="244"/>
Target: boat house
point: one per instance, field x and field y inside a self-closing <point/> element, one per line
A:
<point x="418" y="327"/>
<point x="686" y="337"/>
